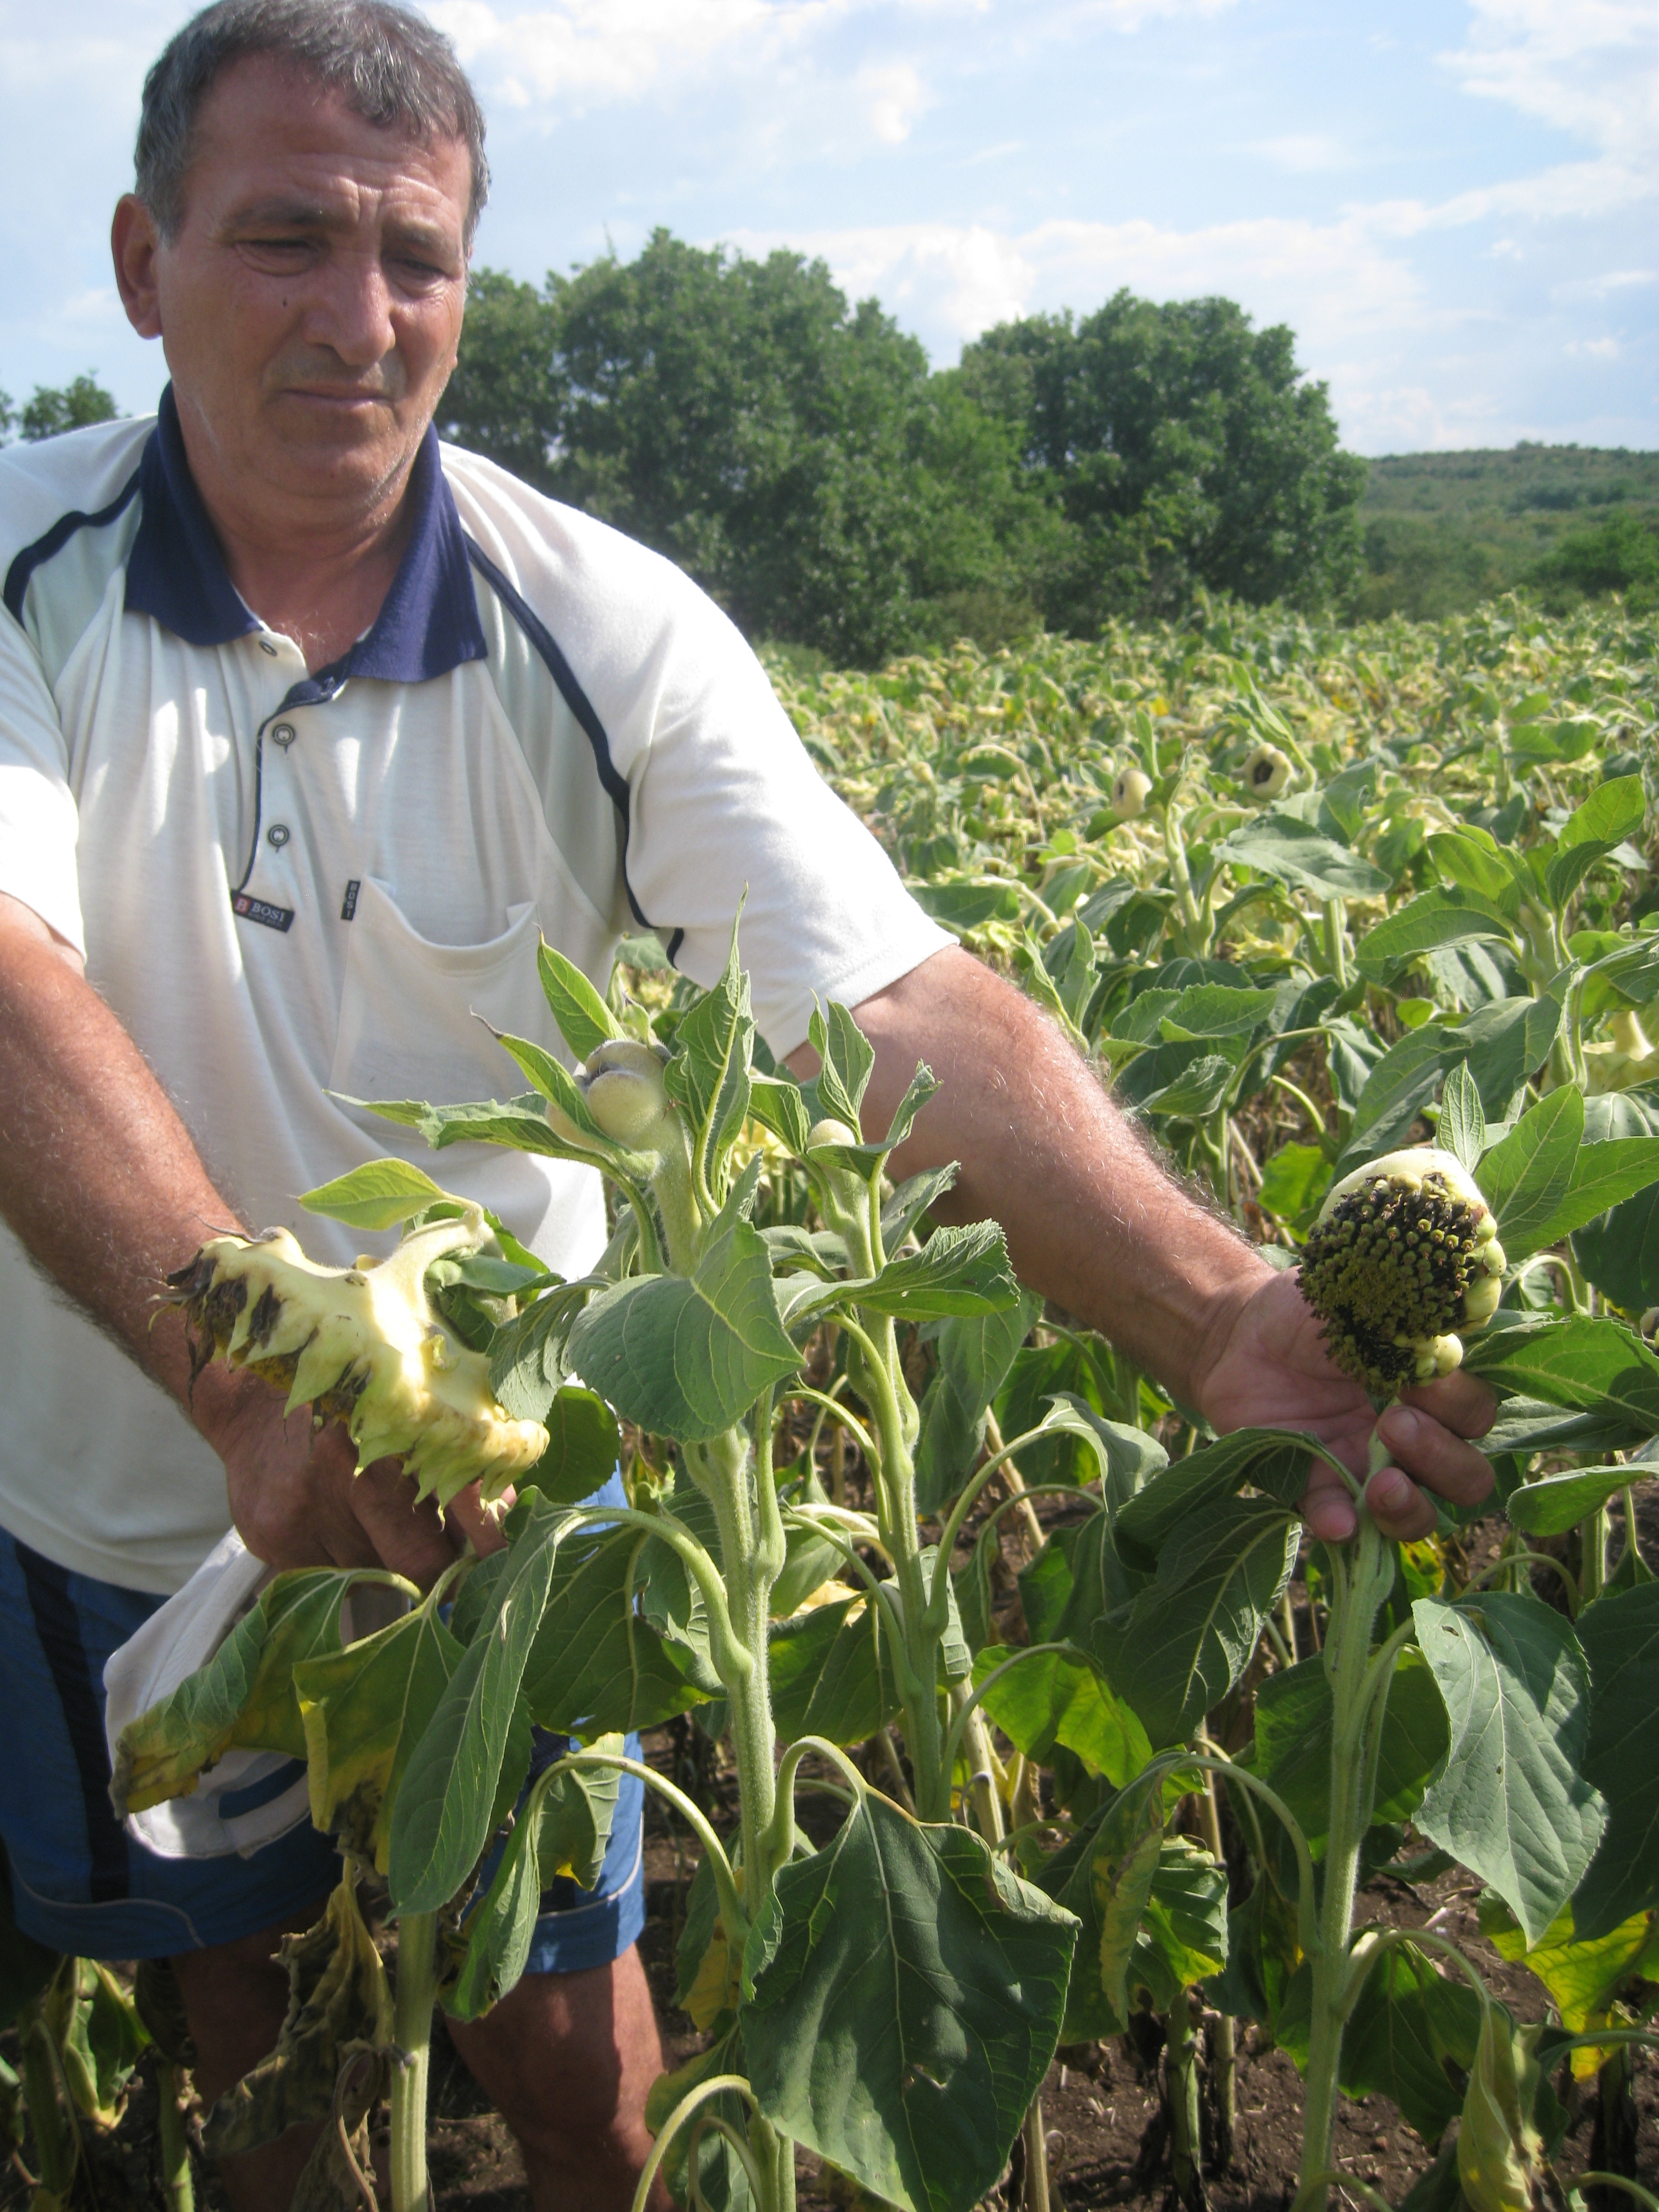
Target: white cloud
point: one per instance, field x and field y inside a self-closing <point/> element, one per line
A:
<point x="1584" y="66"/>
<point x="1130" y="15"/>
<point x="1328" y="281"/>
<point x="1408" y="418"/>
<point x="32" y="64"/>
<point x="964" y="276"/>
<point x="98" y="306"/>
<point x="893" y="95"/>
<point x="1599" y="288"/>
<point x="575" y="54"/>
<point x="584" y="52"/>
<point x="1593" y="349"/>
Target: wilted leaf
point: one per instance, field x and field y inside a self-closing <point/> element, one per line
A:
<point x="337" y="1995"/>
<point x="244" y="1697"/>
<point x="363" y="1709"/>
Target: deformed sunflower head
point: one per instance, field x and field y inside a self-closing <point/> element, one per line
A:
<point x="1129" y="793"/>
<point x="1405" y="1253"/>
<point x="363" y="1345"/>
<point x="1265" y="772"/>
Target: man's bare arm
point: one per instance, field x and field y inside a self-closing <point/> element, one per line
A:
<point x="1094" y="1222"/>
<point x="100" y="1181"/>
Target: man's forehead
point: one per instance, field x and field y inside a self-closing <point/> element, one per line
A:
<point x="272" y="133"/>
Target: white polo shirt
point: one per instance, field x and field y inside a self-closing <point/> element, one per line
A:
<point x="290" y="886"/>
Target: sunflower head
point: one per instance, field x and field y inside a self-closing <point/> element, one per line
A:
<point x="1404" y="1256"/>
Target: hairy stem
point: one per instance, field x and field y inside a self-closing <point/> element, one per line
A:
<point x="1362" y="1575"/>
<point x="1593" y="1541"/>
<point x="178" y="2190"/>
<point x="1224" y="2066"/>
<point x="1181" y="2088"/>
<point x="722" y="1469"/>
<point x="412" y="2030"/>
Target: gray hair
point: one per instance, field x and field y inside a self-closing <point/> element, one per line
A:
<point x="389" y="65"/>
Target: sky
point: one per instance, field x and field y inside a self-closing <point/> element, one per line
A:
<point x="1453" y="203"/>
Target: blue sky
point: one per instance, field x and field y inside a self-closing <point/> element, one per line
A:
<point x="1455" y="206"/>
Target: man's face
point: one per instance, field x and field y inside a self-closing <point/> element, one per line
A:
<point x="310" y="304"/>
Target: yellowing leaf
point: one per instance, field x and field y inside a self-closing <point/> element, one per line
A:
<point x="1582" y="1975"/>
<point x="1500" y="2152"/>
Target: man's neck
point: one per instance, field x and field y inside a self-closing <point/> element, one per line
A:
<point x="313" y="558"/>
<point x="322" y="590"/>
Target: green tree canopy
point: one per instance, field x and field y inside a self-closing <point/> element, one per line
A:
<point x="1184" y="446"/>
<point x="56" y="408"/>
<point x="1620" y="554"/>
<point x="794" y="454"/>
<point x="800" y="458"/>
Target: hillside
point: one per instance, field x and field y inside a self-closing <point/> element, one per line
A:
<point x="1444" y="531"/>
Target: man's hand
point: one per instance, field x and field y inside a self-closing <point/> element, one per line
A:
<point x="1094" y="1222"/>
<point x="100" y="1180"/>
<point x="297" y="1502"/>
<point x="1270" y="1369"/>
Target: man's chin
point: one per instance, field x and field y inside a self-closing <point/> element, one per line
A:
<point x="339" y="454"/>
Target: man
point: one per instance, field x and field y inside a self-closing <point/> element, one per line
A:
<point x="306" y="729"/>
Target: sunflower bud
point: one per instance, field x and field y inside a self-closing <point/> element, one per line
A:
<point x="1627" y="1059"/>
<point x="363" y="1345"/>
<point x="623" y="1085"/>
<point x="1404" y="1254"/>
<point x="1266" y="773"/>
<point x="1129" y="793"/>
<point x="831" y="1133"/>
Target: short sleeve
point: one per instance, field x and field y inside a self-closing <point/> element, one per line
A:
<point x="722" y="806"/>
<point x="726" y="808"/>
<point x="39" y="819"/>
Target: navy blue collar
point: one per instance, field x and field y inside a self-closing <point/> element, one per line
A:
<point x="428" y="624"/>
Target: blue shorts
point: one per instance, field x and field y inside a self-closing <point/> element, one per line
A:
<point x="81" y="1884"/>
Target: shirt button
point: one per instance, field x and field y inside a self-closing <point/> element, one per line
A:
<point x="284" y="734"/>
<point x="278" y="834"/>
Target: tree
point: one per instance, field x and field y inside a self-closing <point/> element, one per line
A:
<point x="55" y="409"/>
<point x="1620" y="554"/>
<point x="1185" y="448"/>
<point x="795" y="455"/>
<point x="801" y="458"/>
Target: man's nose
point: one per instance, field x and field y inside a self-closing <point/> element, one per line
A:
<point x="351" y="313"/>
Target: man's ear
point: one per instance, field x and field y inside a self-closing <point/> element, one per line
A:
<point x="135" y="243"/>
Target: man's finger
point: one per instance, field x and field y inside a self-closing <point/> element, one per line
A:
<point x="407" y="1537"/>
<point x="1328" y="1507"/>
<point x="1399" y="1508"/>
<point x="1460" y="1402"/>
<point x="467" y="1512"/>
<point x="1429" y="1452"/>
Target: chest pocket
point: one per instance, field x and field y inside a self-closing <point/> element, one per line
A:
<point x="407" y="1010"/>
